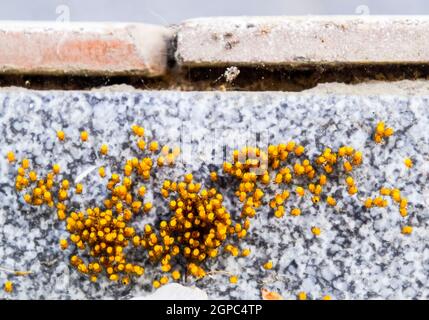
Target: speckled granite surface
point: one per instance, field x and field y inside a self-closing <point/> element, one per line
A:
<point x="360" y="254"/>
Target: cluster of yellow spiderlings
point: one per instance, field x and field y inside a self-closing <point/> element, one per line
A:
<point x="394" y="194"/>
<point x="197" y="230"/>
<point x="256" y="169"/>
<point x="107" y="234"/>
<point x="200" y="226"/>
<point x="103" y="233"/>
<point x="382" y="132"/>
<point x="42" y="190"/>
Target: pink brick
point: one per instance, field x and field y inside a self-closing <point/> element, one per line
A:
<point x="83" y="49"/>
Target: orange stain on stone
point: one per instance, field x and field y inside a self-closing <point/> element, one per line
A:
<point x="99" y="52"/>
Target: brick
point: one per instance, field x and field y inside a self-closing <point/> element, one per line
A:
<point x="83" y="49"/>
<point x="297" y="41"/>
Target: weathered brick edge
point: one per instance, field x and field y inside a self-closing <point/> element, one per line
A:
<point x="83" y="49"/>
<point x="306" y="40"/>
<point x="145" y="50"/>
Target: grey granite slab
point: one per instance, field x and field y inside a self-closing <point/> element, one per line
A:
<point x="360" y="254"/>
